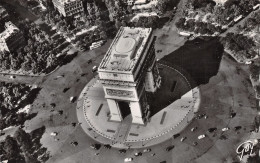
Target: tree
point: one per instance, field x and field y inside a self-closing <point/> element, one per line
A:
<point x="23" y="139"/>
<point x="103" y="35"/>
<point x="26" y="66"/>
<point x="2" y="124"/>
<point x="180" y="23"/>
<point x="209" y="8"/>
<point x="253" y="159"/>
<point x="255" y="71"/>
<point x="30" y="158"/>
<point x="201" y="3"/>
<point x="117" y="24"/>
<point x="12" y="150"/>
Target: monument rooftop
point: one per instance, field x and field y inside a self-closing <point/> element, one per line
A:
<point x="126" y="50"/>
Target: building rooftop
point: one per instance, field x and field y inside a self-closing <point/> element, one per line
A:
<point x="66" y="1"/>
<point x="137" y="2"/>
<point x="10" y="29"/>
<point x="126" y="49"/>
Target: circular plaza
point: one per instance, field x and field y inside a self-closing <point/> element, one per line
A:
<point x="172" y="109"/>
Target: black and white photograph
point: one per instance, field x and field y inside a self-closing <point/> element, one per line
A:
<point x="138" y="81"/>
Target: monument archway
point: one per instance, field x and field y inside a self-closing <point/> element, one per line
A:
<point x="124" y="108"/>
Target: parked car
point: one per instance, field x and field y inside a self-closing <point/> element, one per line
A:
<point x="73" y="99"/>
<point x="89" y="61"/>
<point x="225" y="129"/>
<point x="95" y="146"/>
<point x="169" y="148"/>
<point x="12" y="77"/>
<point x="60" y="112"/>
<point x="122" y="151"/>
<point x="74" y="143"/>
<point x="138" y="154"/>
<point x="210" y="130"/>
<point x="107" y="146"/>
<point x="147" y="150"/>
<point x="128" y="159"/>
<point x="175" y="136"/>
<point x="232" y="115"/>
<point x="195" y="143"/>
<point x="193" y="129"/>
<point x="183" y="138"/>
<point x="54" y="134"/>
<point x="53" y="105"/>
<point x="200" y="116"/>
<point x="237" y="128"/>
<point x="201" y="136"/>
<point x="94" y="69"/>
<point x="248" y="62"/>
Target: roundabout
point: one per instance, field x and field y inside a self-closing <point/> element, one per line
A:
<point x="173" y="107"/>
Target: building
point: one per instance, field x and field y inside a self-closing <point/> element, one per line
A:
<point x="136" y="2"/>
<point x="127" y="72"/>
<point x="220" y="1"/>
<point x="144" y="4"/>
<point x="11" y="38"/>
<point x="69" y="7"/>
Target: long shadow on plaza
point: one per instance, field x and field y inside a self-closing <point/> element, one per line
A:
<point x="200" y="58"/>
<point x="197" y="60"/>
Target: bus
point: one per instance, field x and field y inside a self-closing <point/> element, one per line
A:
<point x="96" y="44"/>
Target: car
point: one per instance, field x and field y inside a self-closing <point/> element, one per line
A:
<point x="53" y="105"/>
<point x="73" y="99"/>
<point x="54" y="134"/>
<point x="74" y="143"/>
<point x="248" y="62"/>
<point x="12" y="77"/>
<point x="213" y="129"/>
<point x="65" y="90"/>
<point x="129" y="159"/>
<point x="225" y="129"/>
<point x="82" y="49"/>
<point x="147" y="150"/>
<point x="60" y="112"/>
<point x="94" y="69"/>
<point x="59" y="76"/>
<point x="138" y="154"/>
<point x="73" y="124"/>
<point x="175" y="136"/>
<point x="193" y="129"/>
<point x="237" y="128"/>
<point x="107" y="146"/>
<point x="122" y="151"/>
<point x="200" y="116"/>
<point x="195" y="143"/>
<point x="201" y="136"/>
<point x="232" y="115"/>
<point x="169" y="148"/>
<point x="89" y="61"/>
<point x="183" y="138"/>
<point x="95" y="146"/>
<point x="2" y="133"/>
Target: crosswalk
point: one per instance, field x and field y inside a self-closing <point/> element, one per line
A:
<point x="123" y="129"/>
